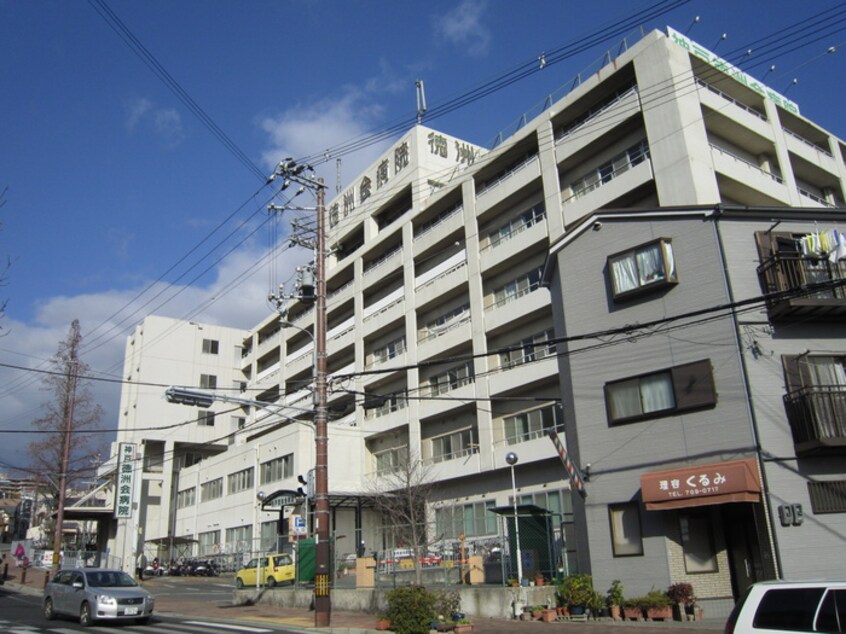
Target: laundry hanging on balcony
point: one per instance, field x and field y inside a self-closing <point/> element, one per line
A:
<point x="830" y="244"/>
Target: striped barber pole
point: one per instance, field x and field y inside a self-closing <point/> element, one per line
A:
<point x="572" y="470"/>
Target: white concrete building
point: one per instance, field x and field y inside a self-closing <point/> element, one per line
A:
<point x="441" y="329"/>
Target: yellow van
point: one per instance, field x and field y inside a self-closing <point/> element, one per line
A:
<point x="272" y="570"/>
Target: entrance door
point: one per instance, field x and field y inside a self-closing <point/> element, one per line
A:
<point x="743" y="546"/>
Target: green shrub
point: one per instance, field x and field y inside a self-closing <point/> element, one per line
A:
<point x="411" y="609"/>
<point x="614" y="596"/>
<point x="576" y="590"/>
<point x="657" y="599"/>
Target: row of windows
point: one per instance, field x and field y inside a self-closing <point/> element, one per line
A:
<point x="532" y="424"/>
<point x="211" y="490"/>
<point x="277" y="469"/>
<point x="454" y="445"/>
<point x="240" y="481"/>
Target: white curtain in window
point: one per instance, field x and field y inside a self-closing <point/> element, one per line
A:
<point x="624" y="274"/>
<point x="657" y="392"/>
<point x="650" y="264"/>
<point x="827" y="371"/>
<point x="625" y="400"/>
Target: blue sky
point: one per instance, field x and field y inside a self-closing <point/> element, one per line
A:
<point x="112" y="180"/>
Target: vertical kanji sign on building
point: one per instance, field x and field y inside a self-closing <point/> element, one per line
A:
<point x="125" y="480"/>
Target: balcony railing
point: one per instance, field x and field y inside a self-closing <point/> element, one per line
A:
<point x="817" y="416"/>
<point x="792" y="271"/>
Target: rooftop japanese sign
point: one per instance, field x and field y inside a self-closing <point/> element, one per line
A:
<point x="732" y="71"/>
<point x="695" y="485"/>
<point x="125" y="485"/>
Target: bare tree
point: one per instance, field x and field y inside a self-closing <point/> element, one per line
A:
<point x="71" y="419"/>
<point x="402" y="495"/>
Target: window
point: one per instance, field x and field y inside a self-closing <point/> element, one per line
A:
<point x="527" y="219"/>
<point x="451" y="379"/>
<point x="277" y="469"/>
<point x="518" y="287"/>
<point x="240" y="481"/>
<point x="698" y="543"/>
<point x="648" y="266"/>
<point x="531" y="424"/>
<point x="788" y="609"/>
<point x="530" y="349"/>
<point x="828" y="496"/>
<point x="391" y="459"/>
<point x="205" y="418"/>
<point x="268" y="534"/>
<point x="211" y="346"/>
<point x="209" y="542"/>
<point x="185" y="498"/>
<point x="208" y="381"/>
<point x="684" y="387"/>
<point x="446" y="321"/>
<point x="239" y="538"/>
<point x="211" y="490"/>
<point x="382" y="405"/>
<point x="453" y="445"/>
<point x="816" y="398"/>
<point x="626" y="536"/>
<point x="388" y="351"/>
<point x="473" y="520"/>
<point x="609" y="170"/>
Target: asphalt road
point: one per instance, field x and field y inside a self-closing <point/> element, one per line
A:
<point x="21" y="613"/>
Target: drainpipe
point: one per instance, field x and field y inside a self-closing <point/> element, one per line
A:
<point x="753" y="421"/>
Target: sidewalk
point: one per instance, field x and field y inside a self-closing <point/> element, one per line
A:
<point x="302" y="620"/>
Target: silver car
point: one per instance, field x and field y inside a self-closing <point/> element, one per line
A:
<point x="97" y="593"/>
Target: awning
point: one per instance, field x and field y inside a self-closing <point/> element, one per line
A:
<point x="701" y="485"/>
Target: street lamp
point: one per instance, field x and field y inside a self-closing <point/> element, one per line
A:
<point x="511" y="458"/>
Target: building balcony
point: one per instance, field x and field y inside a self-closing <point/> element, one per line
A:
<point x="455" y="465"/>
<point x="817" y="416"/>
<point x="430" y="289"/>
<point x="520" y="240"/>
<point x="520" y="376"/>
<point x="611" y="115"/>
<point x="433" y="233"/>
<point x="826" y="297"/>
<point x="512" y="181"/>
<point x="755" y="177"/>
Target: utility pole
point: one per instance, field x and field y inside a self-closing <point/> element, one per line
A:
<point x="70" y="402"/>
<point x="293" y="173"/>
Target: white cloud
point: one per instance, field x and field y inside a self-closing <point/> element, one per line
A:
<point x="463" y="27"/>
<point x="230" y="299"/>
<point x="165" y="123"/>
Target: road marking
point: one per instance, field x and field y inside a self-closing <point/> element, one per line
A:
<point x="237" y="628"/>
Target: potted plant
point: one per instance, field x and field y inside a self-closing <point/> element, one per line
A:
<point x="682" y="595"/>
<point x="383" y="623"/>
<point x="548" y="615"/>
<point x="463" y="626"/>
<point x="658" y="606"/>
<point x="596" y="604"/>
<point x="614" y="599"/>
<point x="633" y="609"/>
<point x="576" y="592"/>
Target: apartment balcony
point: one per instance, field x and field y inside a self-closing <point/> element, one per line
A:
<point x="268" y="375"/>
<point x="380" y="420"/>
<point x="729" y="107"/>
<point x="341" y="294"/>
<point x="341" y="336"/>
<point x="429" y="288"/>
<point x="809" y="151"/>
<point x="515" y="243"/>
<point x="817" y="416"/>
<point x="457" y="465"/>
<point x="449" y="336"/>
<point x="375" y="270"/>
<point x="441" y="404"/>
<point x="386" y="313"/>
<point x="588" y="131"/>
<point x="809" y="288"/>
<point x="606" y="191"/>
<point x="523" y="375"/>
<point x="267" y="342"/>
<point x="511" y="182"/>
<point x="517" y="308"/>
<point x="300" y="360"/>
<point x="435" y="232"/>
<point x="751" y="175"/>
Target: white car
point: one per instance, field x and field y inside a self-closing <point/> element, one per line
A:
<point x="92" y="594"/>
<point x="780" y="607"/>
